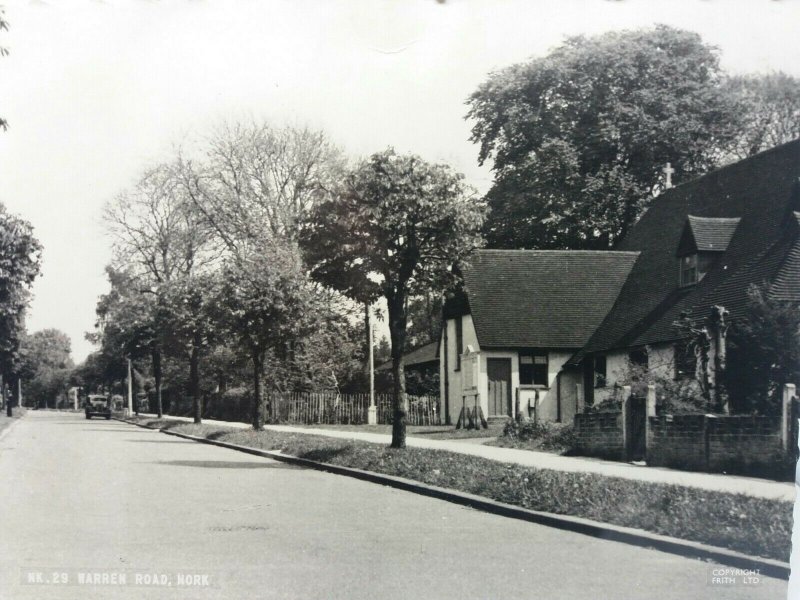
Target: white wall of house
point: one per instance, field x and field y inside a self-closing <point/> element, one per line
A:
<point x="459" y="396"/>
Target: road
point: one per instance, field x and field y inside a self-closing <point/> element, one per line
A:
<point x="93" y="499"/>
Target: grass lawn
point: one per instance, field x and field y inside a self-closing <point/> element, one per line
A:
<point x="5" y="421"/>
<point x="754" y="526"/>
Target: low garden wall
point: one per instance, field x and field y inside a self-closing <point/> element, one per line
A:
<point x="731" y="443"/>
<point x="599" y="434"/>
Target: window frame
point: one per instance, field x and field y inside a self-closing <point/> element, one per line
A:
<point x="692" y="268"/>
<point x="534" y="354"/>
<point x="600" y="378"/>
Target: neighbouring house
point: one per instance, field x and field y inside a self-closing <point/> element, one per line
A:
<point x="421" y="366"/>
<point x="522" y="314"/>
<point x="700" y="244"/>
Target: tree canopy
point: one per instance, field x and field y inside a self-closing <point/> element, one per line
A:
<point x="578" y="138"/>
<point x="395" y="230"/>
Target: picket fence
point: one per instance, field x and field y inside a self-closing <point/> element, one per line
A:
<point x="348" y="409"/>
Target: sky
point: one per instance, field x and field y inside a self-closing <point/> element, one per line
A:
<point x="95" y="91"/>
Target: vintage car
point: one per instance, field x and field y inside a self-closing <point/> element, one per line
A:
<point x="98" y="406"/>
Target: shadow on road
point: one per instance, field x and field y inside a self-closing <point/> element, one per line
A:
<point x="159" y="441"/>
<point x="225" y="464"/>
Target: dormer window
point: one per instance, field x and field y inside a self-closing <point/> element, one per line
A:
<point x="703" y="241"/>
<point x="689" y="270"/>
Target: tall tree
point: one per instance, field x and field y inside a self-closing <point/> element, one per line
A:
<point x="265" y="303"/>
<point x="396" y="230"/>
<point x="578" y="138"/>
<point x="3" y="52"/>
<point x="161" y="242"/>
<point x="20" y="261"/>
<point x="258" y="181"/>
<point x="46" y="364"/>
<point x="768" y="112"/>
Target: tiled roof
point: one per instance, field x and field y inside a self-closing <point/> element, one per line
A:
<point x="542" y="298"/>
<point x="761" y="192"/>
<point x="424" y="354"/>
<point x="710" y="233"/>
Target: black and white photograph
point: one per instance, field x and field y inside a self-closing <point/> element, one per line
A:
<point x="399" y="299"/>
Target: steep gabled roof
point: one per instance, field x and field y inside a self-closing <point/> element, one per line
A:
<point x="542" y="298"/>
<point x="760" y="192"/>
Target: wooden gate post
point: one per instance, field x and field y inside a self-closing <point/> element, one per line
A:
<point x="626" y="412"/>
<point x="789" y="392"/>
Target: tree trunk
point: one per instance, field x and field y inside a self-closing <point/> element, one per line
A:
<point x="258" y="409"/>
<point x="194" y="381"/>
<point x="397" y="332"/>
<point x="367" y="338"/>
<point x="156" y="356"/>
<point x="9" y="403"/>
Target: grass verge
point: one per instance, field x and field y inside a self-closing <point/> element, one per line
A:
<point x="754" y="526"/>
<point x="18" y="411"/>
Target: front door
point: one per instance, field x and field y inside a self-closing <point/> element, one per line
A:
<point x="498" y="371"/>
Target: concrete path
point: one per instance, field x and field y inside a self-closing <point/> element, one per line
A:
<point x="750" y="486"/>
<point x="102" y="497"/>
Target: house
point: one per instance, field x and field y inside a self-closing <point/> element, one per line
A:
<point x="700" y="244"/>
<point x="522" y="314"/>
<point x="421" y="365"/>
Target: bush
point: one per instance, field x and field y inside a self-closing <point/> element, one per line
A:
<point x="545" y="436"/>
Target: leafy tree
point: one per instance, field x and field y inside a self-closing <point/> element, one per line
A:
<point x="20" y="260"/>
<point x="264" y="302"/>
<point x="46" y="364"/>
<point x="764" y="353"/>
<point x="396" y="230"/>
<point x="424" y="319"/>
<point x="579" y="137"/>
<point x="161" y="244"/>
<point x="768" y="112"/>
<point x="3" y="52"/>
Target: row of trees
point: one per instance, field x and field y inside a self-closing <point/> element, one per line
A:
<point x="263" y="249"/>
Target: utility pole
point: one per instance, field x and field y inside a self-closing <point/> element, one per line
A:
<point x="372" y="414"/>
<point x="130" y="389"/>
<point x="19" y="391"/>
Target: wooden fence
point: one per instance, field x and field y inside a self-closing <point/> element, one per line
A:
<point x="348" y="409"/>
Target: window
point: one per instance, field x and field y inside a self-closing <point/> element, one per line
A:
<point x="638" y="357"/>
<point x="599" y="371"/>
<point x="689" y="270"/>
<point x="533" y="369"/>
<point x="459" y="341"/>
<point x="685" y="361"/>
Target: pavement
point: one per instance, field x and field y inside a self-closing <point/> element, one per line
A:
<point x="749" y="486"/>
<point x="100" y="501"/>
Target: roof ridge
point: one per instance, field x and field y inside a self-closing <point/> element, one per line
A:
<point x="730" y="219"/>
<point x="721" y="168"/>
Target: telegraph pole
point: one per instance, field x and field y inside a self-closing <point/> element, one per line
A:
<point x="372" y="414"/>
<point x="130" y="389"/>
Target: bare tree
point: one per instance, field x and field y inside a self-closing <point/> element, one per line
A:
<point x="162" y="243"/>
<point x="257" y="182"/>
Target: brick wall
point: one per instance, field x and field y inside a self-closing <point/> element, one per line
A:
<point x="599" y="434"/>
<point x="736" y="444"/>
<point x="733" y="444"/>
<point x="677" y="441"/>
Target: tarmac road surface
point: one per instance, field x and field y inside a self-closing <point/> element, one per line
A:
<point x="101" y="509"/>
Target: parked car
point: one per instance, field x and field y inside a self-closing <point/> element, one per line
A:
<point x="98" y="406"/>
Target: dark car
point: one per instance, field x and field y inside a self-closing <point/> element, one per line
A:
<point x="98" y="406"/>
